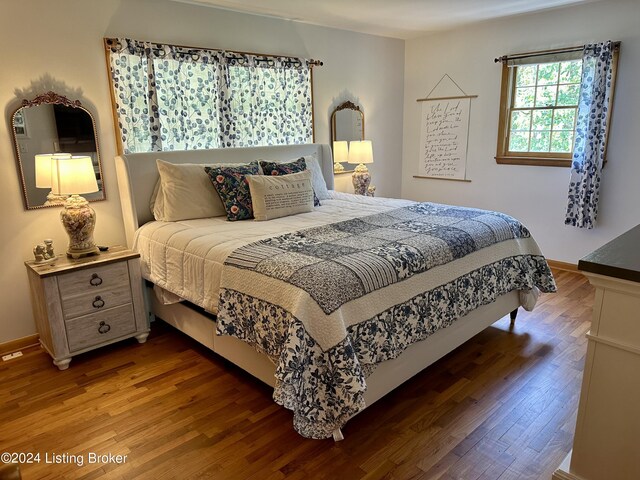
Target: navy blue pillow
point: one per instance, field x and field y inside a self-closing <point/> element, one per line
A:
<point x="233" y="188"/>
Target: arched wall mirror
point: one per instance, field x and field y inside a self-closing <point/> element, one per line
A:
<point x="347" y="124"/>
<point x="51" y="123"/>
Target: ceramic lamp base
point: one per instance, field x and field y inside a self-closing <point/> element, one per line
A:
<point x="79" y="220"/>
<point x="75" y="253"/>
<point x="53" y="199"/>
<point x="361" y="179"/>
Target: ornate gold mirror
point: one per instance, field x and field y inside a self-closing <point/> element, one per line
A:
<point x="46" y="125"/>
<point x="347" y="124"/>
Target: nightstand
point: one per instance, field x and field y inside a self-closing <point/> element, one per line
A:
<point x="79" y="305"/>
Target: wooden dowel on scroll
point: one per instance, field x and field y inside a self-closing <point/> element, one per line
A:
<point x="445" y="98"/>
<point x="444" y="178"/>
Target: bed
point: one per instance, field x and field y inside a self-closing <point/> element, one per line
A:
<point x="329" y="307"/>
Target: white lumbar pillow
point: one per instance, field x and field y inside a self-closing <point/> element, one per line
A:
<point x="280" y="195"/>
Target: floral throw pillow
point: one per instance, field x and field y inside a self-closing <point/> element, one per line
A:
<point x="297" y="166"/>
<point x="233" y="188"/>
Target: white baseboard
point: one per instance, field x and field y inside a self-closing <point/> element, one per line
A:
<point x="563" y="473"/>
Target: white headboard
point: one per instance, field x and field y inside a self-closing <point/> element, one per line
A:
<point x="137" y="172"/>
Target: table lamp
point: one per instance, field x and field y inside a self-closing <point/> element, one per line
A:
<point x="43" y="176"/>
<point x="361" y="153"/>
<point x="73" y="176"/>
<point x="340" y="154"/>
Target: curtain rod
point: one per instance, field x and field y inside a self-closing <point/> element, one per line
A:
<point x="517" y="56"/>
<point x="108" y="42"/>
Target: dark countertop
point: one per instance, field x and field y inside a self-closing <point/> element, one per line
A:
<point x="620" y="258"/>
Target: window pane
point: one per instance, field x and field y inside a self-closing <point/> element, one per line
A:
<point x="564" y="119"/>
<point x="521" y="120"/>
<point x="526" y="76"/>
<point x="542" y="119"/>
<point x="540" y="141"/>
<point x="548" y="73"/>
<point x="568" y="95"/>
<point x="562" y="141"/>
<point x="542" y="110"/>
<point x="524" y="97"/>
<point x="519" y="142"/>
<point x="546" y="96"/>
<point x="570" y="72"/>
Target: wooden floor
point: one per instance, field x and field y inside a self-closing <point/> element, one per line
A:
<point x="502" y="406"/>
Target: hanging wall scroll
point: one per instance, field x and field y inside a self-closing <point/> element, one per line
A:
<point x="444" y="134"/>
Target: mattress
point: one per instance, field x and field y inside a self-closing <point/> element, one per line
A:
<point x="186" y="258"/>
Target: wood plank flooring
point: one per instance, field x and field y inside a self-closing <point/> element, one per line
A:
<point x="502" y="406"/>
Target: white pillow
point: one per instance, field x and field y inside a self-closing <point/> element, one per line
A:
<point x="185" y="192"/>
<point x="157" y="201"/>
<point x="280" y="195"/>
<point x="317" y="179"/>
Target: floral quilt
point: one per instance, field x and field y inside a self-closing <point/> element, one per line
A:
<point x="328" y="303"/>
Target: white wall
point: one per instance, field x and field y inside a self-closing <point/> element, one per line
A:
<point x="535" y="195"/>
<point x="57" y="45"/>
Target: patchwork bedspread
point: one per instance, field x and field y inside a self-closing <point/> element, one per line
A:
<point x="330" y="302"/>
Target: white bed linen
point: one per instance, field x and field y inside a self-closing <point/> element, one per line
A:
<point x="186" y="257"/>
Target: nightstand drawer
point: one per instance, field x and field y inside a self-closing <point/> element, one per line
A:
<point x="97" y="301"/>
<point x="92" y="330"/>
<point x="92" y="280"/>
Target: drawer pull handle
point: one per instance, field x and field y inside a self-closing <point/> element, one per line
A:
<point x="95" y="280"/>
<point x="104" y="327"/>
<point x="98" y="302"/>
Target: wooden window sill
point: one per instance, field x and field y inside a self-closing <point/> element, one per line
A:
<point x="534" y="161"/>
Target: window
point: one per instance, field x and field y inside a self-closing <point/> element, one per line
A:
<point x="168" y="97"/>
<point x="539" y="104"/>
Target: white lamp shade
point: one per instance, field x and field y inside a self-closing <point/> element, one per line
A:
<point x="73" y="175"/>
<point x="361" y="152"/>
<point x="340" y="151"/>
<point x="43" y="168"/>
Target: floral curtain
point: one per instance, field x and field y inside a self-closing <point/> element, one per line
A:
<point x="130" y="71"/>
<point x="176" y="98"/>
<point x="269" y="101"/>
<point x="591" y="135"/>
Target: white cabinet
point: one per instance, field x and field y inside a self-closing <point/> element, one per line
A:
<point x="605" y="446"/>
